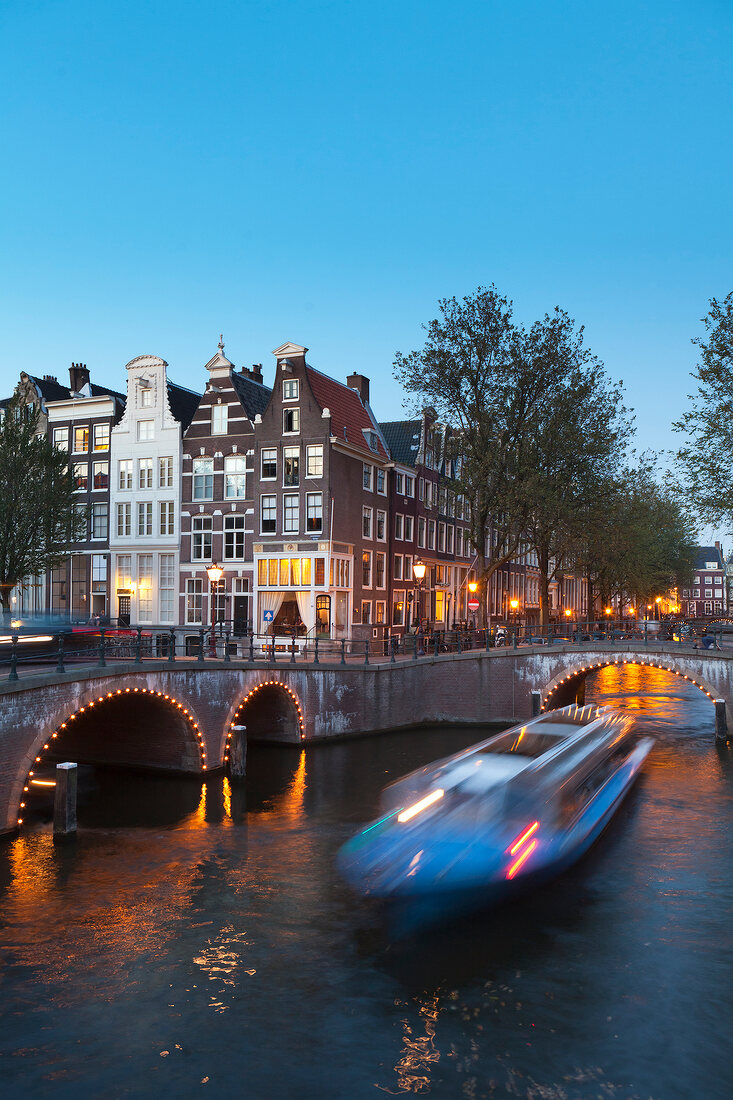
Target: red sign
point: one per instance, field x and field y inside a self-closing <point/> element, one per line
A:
<point x="473" y="605"/>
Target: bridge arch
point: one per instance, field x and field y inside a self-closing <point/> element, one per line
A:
<point x="177" y="743"/>
<point x="553" y="693"/>
<point x="270" y="711"/>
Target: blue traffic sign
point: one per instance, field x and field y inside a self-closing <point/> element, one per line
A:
<point x="268" y="616"/>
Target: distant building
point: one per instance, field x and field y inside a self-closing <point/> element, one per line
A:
<point x="706" y="597"/>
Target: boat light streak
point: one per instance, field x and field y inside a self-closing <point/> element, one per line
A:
<point x="43" y="782"/>
<point x="525" y="836"/>
<point x="418" y="807"/>
<point x="520" y="860"/>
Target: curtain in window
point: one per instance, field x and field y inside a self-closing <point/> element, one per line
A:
<point x="305" y="602"/>
<point x="270" y="601"/>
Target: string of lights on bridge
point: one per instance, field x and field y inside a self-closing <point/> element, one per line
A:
<point x="616" y="663"/>
<point x="267" y="683"/>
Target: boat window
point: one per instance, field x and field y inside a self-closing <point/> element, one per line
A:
<point x="523" y="743"/>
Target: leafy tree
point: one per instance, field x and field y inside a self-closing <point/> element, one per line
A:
<point x="578" y="433"/>
<point x="39" y="517"/>
<point x="705" y="462"/>
<point x="483" y="377"/>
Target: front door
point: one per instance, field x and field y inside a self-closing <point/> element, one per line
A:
<point x="123" y="615"/>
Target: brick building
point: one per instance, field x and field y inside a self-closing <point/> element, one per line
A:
<point x="706" y="596"/>
<point x="217" y="496"/>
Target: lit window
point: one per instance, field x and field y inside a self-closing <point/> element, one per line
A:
<point x="81" y="439"/>
<point x="101" y="437"/>
<point x="366" y="569"/>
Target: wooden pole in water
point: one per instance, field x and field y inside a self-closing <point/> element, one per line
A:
<point x="536" y="703"/>
<point x="64" y="807"/>
<point x="238" y="753"/>
<point x="721" y="722"/>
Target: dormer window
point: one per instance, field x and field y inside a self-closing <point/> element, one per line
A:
<point x="291" y="387"/>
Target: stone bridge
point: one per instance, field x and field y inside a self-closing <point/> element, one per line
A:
<point x="184" y="716"/>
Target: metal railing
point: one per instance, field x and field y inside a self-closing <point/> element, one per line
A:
<point x="99" y="648"/>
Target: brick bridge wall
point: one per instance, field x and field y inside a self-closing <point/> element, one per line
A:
<point x="177" y="717"/>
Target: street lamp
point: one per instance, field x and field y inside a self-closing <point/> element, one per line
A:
<point x="568" y="614"/>
<point x="658" y="601"/>
<point x="608" y="612"/>
<point x="514" y="604"/>
<point x="215" y="573"/>
<point x="473" y="589"/>
<point x="418" y="572"/>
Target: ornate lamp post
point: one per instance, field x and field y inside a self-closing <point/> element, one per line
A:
<point x="568" y="615"/>
<point x="418" y="572"/>
<point x="215" y="573"/>
<point x="473" y="588"/>
<point x="514" y="604"/>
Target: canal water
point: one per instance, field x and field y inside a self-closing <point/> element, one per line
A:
<point x="196" y="941"/>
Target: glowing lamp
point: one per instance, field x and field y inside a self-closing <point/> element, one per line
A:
<point x="418" y="569"/>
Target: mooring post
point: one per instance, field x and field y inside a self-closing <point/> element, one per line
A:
<point x="252" y="645"/>
<point x="60" y="667"/>
<point x="14" y="658"/>
<point x="343" y="651"/>
<point x="238" y="753"/>
<point x="139" y="646"/>
<point x="101" y="663"/>
<point x="315" y="652"/>
<point x="721" y="722"/>
<point x="536" y="697"/>
<point x="172" y="647"/>
<point x="64" y="806"/>
<point x="292" y="651"/>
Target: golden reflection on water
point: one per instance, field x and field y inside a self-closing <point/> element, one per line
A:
<point x="419" y="1052"/>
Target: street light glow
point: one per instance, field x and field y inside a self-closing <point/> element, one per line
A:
<point x="418" y="568"/>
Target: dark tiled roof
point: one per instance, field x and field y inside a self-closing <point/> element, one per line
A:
<point x="49" y="389"/>
<point x="703" y="554"/>
<point x="350" y="418"/>
<point x="254" y="396"/>
<point x="183" y="403"/>
<point x="403" y="439"/>
<point x="105" y="391"/>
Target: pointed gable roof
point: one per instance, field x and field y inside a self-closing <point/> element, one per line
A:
<point x="403" y="439"/>
<point x="350" y="417"/>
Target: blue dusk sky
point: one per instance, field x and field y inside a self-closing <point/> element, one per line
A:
<point x="324" y="172"/>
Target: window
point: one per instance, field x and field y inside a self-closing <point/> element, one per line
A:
<point x="366" y="522"/>
<point x="366" y="476"/>
<point x="124" y="571"/>
<point x="268" y="463"/>
<point x="290" y="389"/>
<point x="397" y="571"/>
<point x="291" y="512"/>
<point x="399" y="523"/>
<point x="319" y="578"/>
<point x="219" y="419"/>
<point x="431" y="534"/>
<point x="145" y="473"/>
<point x="235" y="478"/>
<point x="366" y="611"/>
<point x="61" y="439"/>
<point x="291" y="421"/>
<point x="268" y="515"/>
<point x="440" y="604"/>
<point x="100" y="521"/>
<point x="145" y="588"/>
<point x="145" y="517"/>
<point x="167" y="582"/>
<point x="125" y="473"/>
<point x="421" y="532"/>
<point x="291" y="466"/>
<point x="372" y="441"/>
<point x="165" y="473"/>
<point x="441" y="538"/>
<point x="146" y="395"/>
<point x="407" y="568"/>
<point x="81" y="476"/>
<point x="398" y="609"/>
<point x="409" y="523"/>
<point x="380" y="482"/>
<point x="696" y="593"/>
<point x="194" y="600"/>
<point x="379" y="607"/>
<point x="366" y="569"/>
<point x="449" y="539"/>
<point x="100" y="475"/>
<point x="124" y="521"/>
<point x="81" y="439"/>
<point x="167" y="517"/>
<point x="145" y="430"/>
<point x="381" y="526"/>
<point x="380" y="570"/>
<point x="99" y="573"/>
<point x="101" y="437"/>
<point x="314" y="512"/>
<point x="201" y="538"/>
<point x="409" y="486"/>
<point x="399" y="485"/>
<point x="203" y="479"/>
<point x="421" y="489"/>
<point x="708" y="593"/>
<point x="234" y="538"/>
<point x="459" y="542"/>
<point x="314" y="460"/>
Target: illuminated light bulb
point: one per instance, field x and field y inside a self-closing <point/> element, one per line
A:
<point x="31" y="773"/>
<point x="22" y="805"/>
<point x="25" y="788"/>
<point x="38" y="760"/>
<point x="20" y="820"/>
<point x="46" y="746"/>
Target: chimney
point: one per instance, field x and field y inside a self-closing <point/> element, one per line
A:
<point x="78" y="377"/>
<point x="256" y="373"/>
<point x="361" y="384"/>
<point x="50" y="378"/>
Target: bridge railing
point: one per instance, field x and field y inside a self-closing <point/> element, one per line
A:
<point x="99" y="647"/>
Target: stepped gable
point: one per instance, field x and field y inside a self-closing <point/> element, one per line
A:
<point x="350" y="418"/>
<point x="403" y="440"/>
<point x="183" y="404"/>
<point x="254" y="396"/>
